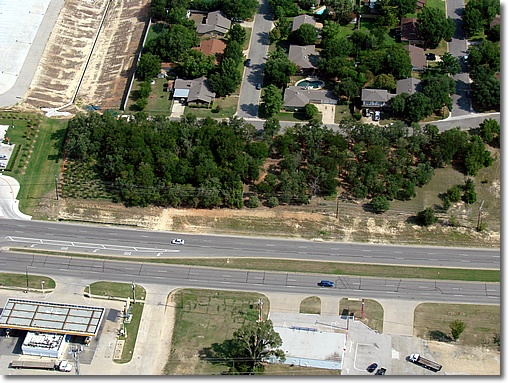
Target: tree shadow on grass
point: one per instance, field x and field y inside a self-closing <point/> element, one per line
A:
<point x="439" y="336"/>
<point x="220" y="353"/>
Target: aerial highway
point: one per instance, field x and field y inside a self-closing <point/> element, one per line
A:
<point x="260" y="281"/>
<point x="131" y="242"/>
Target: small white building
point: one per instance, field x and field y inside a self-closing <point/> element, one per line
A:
<point x="44" y="344"/>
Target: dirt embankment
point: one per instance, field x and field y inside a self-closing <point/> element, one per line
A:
<point x="70" y="44"/>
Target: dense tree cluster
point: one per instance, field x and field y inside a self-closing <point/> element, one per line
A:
<point x="434" y="26"/>
<point x="168" y="163"/>
<point x="478" y="14"/>
<point x="173" y="11"/>
<point x="484" y="62"/>
<point x="206" y="163"/>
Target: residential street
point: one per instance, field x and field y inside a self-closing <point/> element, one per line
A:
<point x="458" y="47"/>
<point x="248" y="104"/>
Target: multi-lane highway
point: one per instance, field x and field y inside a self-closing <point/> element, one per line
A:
<point x="78" y="238"/>
<point x="201" y="277"/>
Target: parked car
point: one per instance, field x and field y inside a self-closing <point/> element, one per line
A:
<point x="430" y="56"/>
<point x="258" y="86"/>
<point x="325" y="283"/>
<point x="177" y="241"/>
<point x="3" y="157"/>
<point x="380" y="371"/>
<point x="372" y="367"/>
<point x="377" y="116"/>
<point x="367" y="112"/>
<point x="247" y="62"/>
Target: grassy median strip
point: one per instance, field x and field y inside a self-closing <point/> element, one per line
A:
<point x="309" y="267"/>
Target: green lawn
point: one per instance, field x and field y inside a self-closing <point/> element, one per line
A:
<point x="341" y="111"/>
<point x="483" y="322"/>
<point x="373" y="313"/>
<point x="310" y="305"/>
<point x="296" y="117"/>
<point x="205" y="317"/>
<point x="223" y="107"/>
<point x="158" y="101"/>
<point x="38" y="161"/>
<point x="20" y="280"/>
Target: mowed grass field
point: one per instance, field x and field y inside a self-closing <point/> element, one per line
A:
<point x="483" y="322"/>
<point x="373" y="313"/>
<point x="39" y="159"/>
<point x="205" y="317"/>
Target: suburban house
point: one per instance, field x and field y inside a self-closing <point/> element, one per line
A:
<point x="194" y="92"/>
<point x="409" y="32"/>
<point x="417" y="55"/>
<point x="214" y="25"/>
<point x="212" y="47"/>
<point x="304" y="56"/>
<point x="296" y="97"/>
<point x="298" y="21"/>
<point x="409" y="85"/>
<point x="420" y="4"/>
<point x="375" y="98"/>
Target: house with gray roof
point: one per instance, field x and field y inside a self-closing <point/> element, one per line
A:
<point x="200" y="92"/>
<point x="296" y="97"/>
<point x="304" y="56"/>
<point x="409" y="85"/>
<point x="298" y="21"/>
<point x="375" y="98"/>
<point x="215" y="24"/>
<point x="417" y="55"/>
<point x="194" y="92"/>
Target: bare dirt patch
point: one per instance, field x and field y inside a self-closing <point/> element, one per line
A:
<point x="69" y="47"/>
<point x="466" y="360"/>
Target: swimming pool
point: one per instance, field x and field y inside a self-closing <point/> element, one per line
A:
<point x="320" y="10"/>
<point x="310" y="83"/>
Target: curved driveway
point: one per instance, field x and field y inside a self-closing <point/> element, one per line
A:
<point x="9" y="208"/>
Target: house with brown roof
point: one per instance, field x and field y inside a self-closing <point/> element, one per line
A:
<point x="296" y="97"/>
<point x="420" y="4"/>
<point x="304" y="56"/>
<point x="417" y="55"/>
<point x="212" y="47"/>
<point x="215" y="24"/>
<point x="409" y="31"/>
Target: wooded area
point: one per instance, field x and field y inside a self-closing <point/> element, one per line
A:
<point x="206" y="163"/>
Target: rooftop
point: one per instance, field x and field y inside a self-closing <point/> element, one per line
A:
<point x="59" y="318"/>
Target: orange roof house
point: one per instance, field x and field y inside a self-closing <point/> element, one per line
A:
<point x="212" y="47"/>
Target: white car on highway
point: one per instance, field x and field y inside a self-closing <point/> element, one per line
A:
<point x="177" y="241"/>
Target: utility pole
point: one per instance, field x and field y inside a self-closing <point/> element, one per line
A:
<point x="478" y="225"/>
<point x="26" y="273"/>
<point x="337" y="209"/>
<point x="56" y="187"/>
<point x="133" y="293"/>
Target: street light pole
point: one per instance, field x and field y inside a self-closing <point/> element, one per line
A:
<point x="42" y="283"/>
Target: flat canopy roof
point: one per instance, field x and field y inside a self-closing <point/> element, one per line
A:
<point x="59" y="318"/>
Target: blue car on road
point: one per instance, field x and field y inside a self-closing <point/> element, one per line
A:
<point x="325" y="283"/>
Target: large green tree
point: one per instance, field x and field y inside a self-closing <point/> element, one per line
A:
<point x="278" y="68"/>
<point x="449" y="64"/>
<point x="341" y="11"/>
<point x="239" y="9"/>
<point x="255" y="341"/>
<point x="149" y="66"/>
<point x="434" y="26"/>
<point x="227" y="79"/>
<point x="397" y="62"/>
<point x="173" y="43"/>
<point x="402" y="7"/>
<point x="195" y="64"/>
<point x="307" y="34"/>
<point x="272" y="100"/>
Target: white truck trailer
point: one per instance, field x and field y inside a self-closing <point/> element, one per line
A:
<point x="62" y="365"/>
<point x="418" y="359"/>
